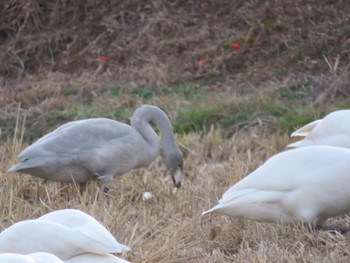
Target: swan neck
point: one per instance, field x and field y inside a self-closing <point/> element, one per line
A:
<point x="146" y="114"/>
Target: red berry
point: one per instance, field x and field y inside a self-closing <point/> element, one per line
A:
<point x="103" y="59"/>
<point x="235" y="46"/>
<point x="201" y="62"/>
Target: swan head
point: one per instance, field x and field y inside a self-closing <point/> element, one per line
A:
<point x="174" y="162"/>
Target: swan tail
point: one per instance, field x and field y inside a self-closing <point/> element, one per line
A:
<point x="20" y="167"/>
<point x="15" y="168"/>
<point x="306" y="129"/>
<point x="210" y="210"/>
<point x="124" y="247"/>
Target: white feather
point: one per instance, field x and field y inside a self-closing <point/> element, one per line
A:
<point x="39" y="257"/>
<point x="87" y="225"/>
<point x="333" y="129"/>
<point x="303" y="184"/>
<point x="64" y="233"/>
<point x="94" y="258"/>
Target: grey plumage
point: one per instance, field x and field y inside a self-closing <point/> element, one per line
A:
<point x="102" y="148"/>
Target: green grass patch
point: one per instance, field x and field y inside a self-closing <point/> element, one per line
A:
<point x="144" y="92"/>
<point x="195" y="119"/>
<point x="236" y="114"/>
<point x="292" y="120"/>
<point x="186" y="91"/>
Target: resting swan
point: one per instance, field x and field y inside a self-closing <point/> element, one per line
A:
<point x="102" y="148"/>
<point x="307" y="184"/>
<point x="64" y="233"/>
<point x="333" y="129"/>
<point x="39" y="257"/>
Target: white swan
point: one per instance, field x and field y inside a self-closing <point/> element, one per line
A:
<point x="94" y="258"/>
<point x="65" y="233"/>
<point x="102" y="148"/>
<point x="87" y="225"/>
<point x="307" y="184"/>
<point x="39" y="257"/>
<point x="333" y="129"/>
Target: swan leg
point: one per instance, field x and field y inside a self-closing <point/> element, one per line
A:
<point x="105" y="179"/>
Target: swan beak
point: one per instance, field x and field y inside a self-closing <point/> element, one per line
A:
<point x="177" y="177"/>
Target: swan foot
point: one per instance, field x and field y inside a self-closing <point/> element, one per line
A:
<point x="105" y="189"/>
<point x="332" y="229"/>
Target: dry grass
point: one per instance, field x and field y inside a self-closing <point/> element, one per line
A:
<point x="169" y="226"/>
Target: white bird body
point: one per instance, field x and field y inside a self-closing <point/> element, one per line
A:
<point x="88" y="226"/>
<point x="39" y="257"/>
<point x="64" y="233"/>
<point x="304" y="184"/>
<point x="102" y="148"/>
<point x="95" y="258"/>
<point x="333" y="130"/>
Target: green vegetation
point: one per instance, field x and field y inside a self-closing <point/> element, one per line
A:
<point x="195" y="119"/>
<point x="286" y="106"/>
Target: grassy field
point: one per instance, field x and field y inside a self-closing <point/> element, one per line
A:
<point x="169" y="226"/>
<point x="230" y="110"/>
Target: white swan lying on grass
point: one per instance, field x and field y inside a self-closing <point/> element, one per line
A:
<point x="102" y="148"/>
<point x="333" y="130"/>
<point x="39" y="257"/>
<point x="306" y="184"/>
<point x="64" y="233"/>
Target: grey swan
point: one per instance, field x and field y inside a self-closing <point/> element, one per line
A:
<point x="103" y="148"/>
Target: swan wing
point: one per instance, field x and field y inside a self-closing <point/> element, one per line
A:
<point x="39" y="257"/>
<point x="253" y="204"/>
<point x="39" y="235"/>
<point x="95" y="258"/>
<point x="32" y="236"/>
<point x="296" y="168"/>
<point x="85" y="148"/>
<point x="77" y="137"/>
<point x="333" y="130"/>
<point x="88" y="226"/>
<point x="308" y="183"/>
<point x="338" y="140"/>
<point x="42" y="257"/>
<point x="15" y="258"/>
